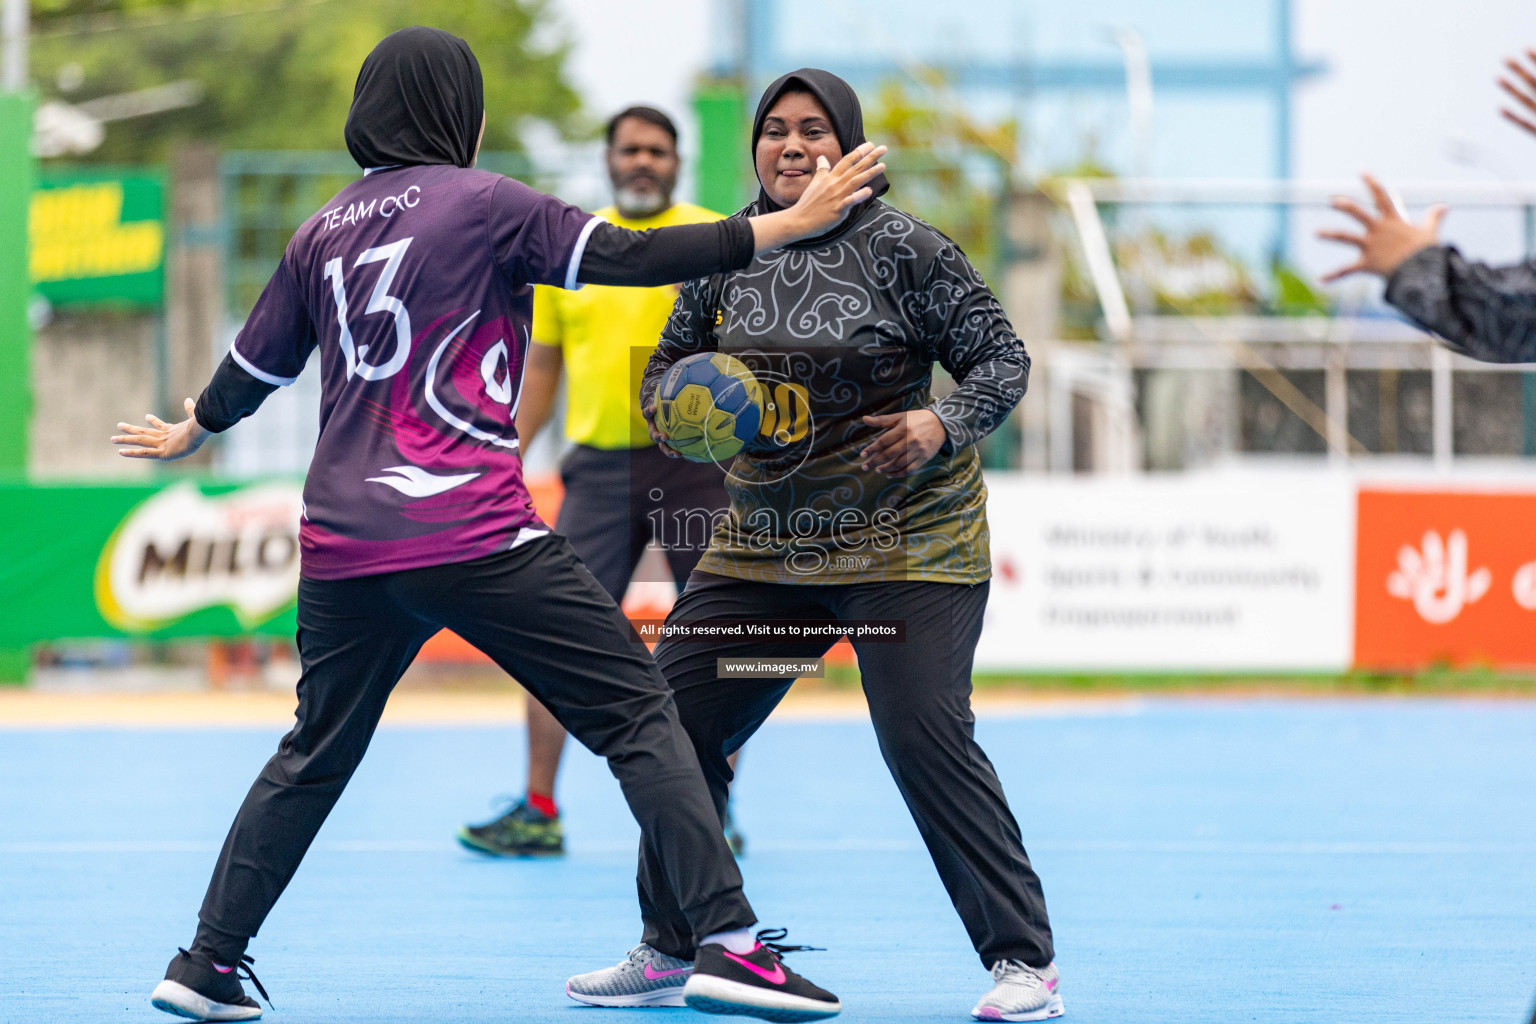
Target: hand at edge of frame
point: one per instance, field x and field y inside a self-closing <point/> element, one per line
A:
<point x="162" y="441"/>
<point x="1520" y="84"/>
<point x="907" y="440"/>
<point x="1388" y="239"/>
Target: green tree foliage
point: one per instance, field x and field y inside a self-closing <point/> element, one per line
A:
<point x="945" y="167"/>
<point x="278" y="74"/>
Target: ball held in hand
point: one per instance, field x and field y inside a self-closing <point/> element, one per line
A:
<point x="709" y="405"/>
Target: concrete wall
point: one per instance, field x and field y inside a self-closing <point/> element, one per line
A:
<point x="93" y="369"/>
<point x="194" y="311"/>
<point x="88" y="372"/>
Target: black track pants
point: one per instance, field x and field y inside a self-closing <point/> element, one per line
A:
<point x="919" y="694"/>
<point x="542" y="617"/>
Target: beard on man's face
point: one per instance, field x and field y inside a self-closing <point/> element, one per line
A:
<point x="642" y="193"/>
<point x="639" y="204"/>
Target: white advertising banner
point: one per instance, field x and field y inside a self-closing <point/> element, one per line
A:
<point x="1244" y="574"/>
<point x="183" y="550"/>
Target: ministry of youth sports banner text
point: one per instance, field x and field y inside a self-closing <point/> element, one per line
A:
<point x="1148" y="574"/>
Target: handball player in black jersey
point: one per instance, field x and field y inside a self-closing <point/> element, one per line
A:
<point x="415" y="285"/>
<point x="861" y="499"/>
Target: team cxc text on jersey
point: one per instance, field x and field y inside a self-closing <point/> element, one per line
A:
<point x="422" y="343"/>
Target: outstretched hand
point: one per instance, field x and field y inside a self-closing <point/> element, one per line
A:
<point x="824" y="203"/>
<point x="165" y="442"/>
<point x="833" y="190"/>
<point x="907" y="440"/>
<point x="1389" y="238"/>
<point x="1520" y="83"/>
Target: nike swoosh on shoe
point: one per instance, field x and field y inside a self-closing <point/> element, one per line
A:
<point x="773" y="977"/>
<point x="652" y="974"/>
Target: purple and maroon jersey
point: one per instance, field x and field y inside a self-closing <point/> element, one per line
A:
<point x="416" y="285"/>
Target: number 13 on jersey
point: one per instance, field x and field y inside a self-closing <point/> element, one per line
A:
<point x="379" y="302"/>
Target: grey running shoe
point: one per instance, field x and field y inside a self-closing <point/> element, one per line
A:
<point x="645" y="978"/>
<point x="524" y="831"/>
<point x="1021" y="992"/>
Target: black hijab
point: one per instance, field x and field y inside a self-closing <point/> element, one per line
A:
<point x="842" y="106"/>
<point x="419" y="99"/>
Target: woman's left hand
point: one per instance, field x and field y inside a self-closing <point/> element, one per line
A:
<point x="906" y="441"/>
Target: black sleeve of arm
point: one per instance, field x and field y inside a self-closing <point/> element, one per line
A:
<point x="230" y="397"/>
<point x="645" y="259"/>
<point x="1488" y="313"/>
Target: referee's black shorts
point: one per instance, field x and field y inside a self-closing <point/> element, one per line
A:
<point x="618" y="501"/>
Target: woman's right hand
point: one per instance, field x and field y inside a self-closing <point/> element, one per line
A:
<point x="649" y="412"/>
<point x="162" y="441"/>
<point x="824" y="203"/>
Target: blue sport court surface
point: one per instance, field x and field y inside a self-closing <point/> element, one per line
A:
<point x="1288" y="861"/>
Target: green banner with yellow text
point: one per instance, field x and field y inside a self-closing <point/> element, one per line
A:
<point x="98" y="237"/>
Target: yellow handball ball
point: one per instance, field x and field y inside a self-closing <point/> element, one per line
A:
<point x="709" y="405"/>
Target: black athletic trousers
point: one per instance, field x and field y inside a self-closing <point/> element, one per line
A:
<point x="540" y="615"/>
<point x="919" y="694"/>
<point x="617" y="502"/>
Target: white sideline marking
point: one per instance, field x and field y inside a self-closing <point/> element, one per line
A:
<point x="851" y="708"/>
<point x="1130" y="846"/>
<point x="82" y="710"/>
<point x="177" y="846"/>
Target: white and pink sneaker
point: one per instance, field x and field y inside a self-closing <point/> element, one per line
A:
<point x="646" y="977"/>
<point x="1021" y="992"/>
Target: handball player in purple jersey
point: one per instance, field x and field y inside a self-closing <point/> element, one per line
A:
<point x="415" y="285"/>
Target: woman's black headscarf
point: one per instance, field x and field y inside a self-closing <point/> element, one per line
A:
<point x="842" y="106"/>
<point x="419" y="99"/>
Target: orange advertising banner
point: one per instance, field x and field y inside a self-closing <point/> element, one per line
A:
<point x="1445" y="577"/>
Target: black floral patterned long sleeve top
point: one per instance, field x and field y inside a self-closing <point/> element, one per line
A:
<point x="836" y="329"/>
<point x="1488" y="313"/>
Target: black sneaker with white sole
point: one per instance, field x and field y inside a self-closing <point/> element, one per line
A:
<point x="199" y="989"/>
<point x="756" y="984"/>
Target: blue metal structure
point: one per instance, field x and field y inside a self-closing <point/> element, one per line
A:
<point x="1197" y="49"/>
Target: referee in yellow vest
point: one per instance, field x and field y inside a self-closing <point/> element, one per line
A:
<point x="620" y="491"/>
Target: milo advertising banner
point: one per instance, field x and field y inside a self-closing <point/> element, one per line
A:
<point x="184" y="560"/>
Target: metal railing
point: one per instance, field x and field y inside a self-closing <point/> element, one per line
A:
<point x="1310" y="366"/>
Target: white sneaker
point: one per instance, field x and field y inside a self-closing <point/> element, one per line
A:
<point x="1021" y="992"/>
<point x="645" y="978"/>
